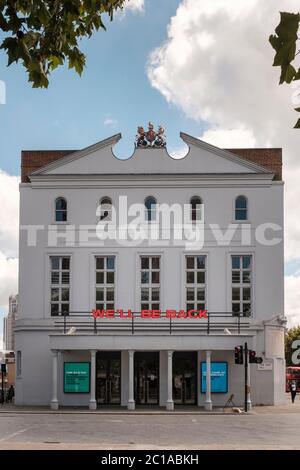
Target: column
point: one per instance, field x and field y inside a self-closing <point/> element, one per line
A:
<point x="248" y="391"/>
<point x="131" y="402"/>
<point x="93" y="403"/>
<point x="208" y="403"/>
<point x="54" y="400"/>
<point x="170" y="402"/>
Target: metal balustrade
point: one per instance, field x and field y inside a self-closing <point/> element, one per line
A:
<point x="215" y="321"/>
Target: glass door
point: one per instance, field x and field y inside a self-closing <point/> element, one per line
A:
<point x="185" y="378"/>
<point x="108" y="378"/>
<point x="146" y="378"/>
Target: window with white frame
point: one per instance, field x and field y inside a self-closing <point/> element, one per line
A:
<point x="241" y="208"/>
<point x="150" y="282"/>
<point x="150" y="209"/>
<point x="241" y="284"/>
<point x="105" y="282"/>
<point x="60" y="285"/>
<point x="105" y="209"/>
<point x="61" y="210"/>
<point x="196" y="209"/>
<point x="195" y="274"/>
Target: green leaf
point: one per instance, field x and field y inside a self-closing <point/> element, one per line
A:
<point x="43" y="14"/>
<point x="285" y="54"/>
<point x="297" y="125"/>
<point x="3" y="23"/>
<point x="43" y="33"/>
<point x="12" y="49"/>
<point x="288" y="26"/>
<point x="297" y="76"/>
<point x="297" y="109"/>
<point x="288" y="74"/>
<point x="55" y="61"/>
<point x="275" y="42"/>
<point x="76" y="60"/>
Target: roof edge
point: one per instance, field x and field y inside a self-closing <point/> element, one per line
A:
<point x="110" y="141"/>
<point x="188" y="139"/>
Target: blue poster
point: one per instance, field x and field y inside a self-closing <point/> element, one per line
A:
<point x="219" y="377"/>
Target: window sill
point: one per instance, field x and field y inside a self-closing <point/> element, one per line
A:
<point x="61" y="223"/>
<point x="241" y="222"/>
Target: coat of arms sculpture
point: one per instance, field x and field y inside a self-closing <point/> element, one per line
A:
<point x="151" y="138"/>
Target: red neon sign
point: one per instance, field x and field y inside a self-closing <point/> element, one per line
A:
<point x="153" y="314"/>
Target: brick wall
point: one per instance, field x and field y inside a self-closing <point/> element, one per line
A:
<point x="32" y="160"/>
<point x="268" y="158"/>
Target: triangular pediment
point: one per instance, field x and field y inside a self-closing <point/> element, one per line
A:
<point x="202" y="158"/>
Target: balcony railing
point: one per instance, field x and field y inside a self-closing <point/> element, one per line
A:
<point x="215" y="321"/>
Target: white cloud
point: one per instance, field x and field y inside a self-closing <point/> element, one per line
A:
<point x="9" y="213"/>
<point x="134" y="5"/>
<point x="178" y="152"/>
<point x="230" y="138"/>
<point x="223" y="138"/>
<point x="216" y="66"/>
<point x="228" y="81"/>
<point x="8" y="278"/>
<point x="9" y="227"/>
<point x="109" y="121"/>
<point x="292" y="299"/>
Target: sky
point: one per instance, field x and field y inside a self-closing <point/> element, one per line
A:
<point x="199" y="66"/>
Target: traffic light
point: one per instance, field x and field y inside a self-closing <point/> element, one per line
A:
<point x="239" y="355"/>
<point x="253" y="359"/>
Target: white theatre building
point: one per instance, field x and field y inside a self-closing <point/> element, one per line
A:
<point x="139" y="277"/>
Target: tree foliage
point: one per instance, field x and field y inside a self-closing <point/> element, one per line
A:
<point x="45" y="34"/>
<point x="291" y="335"/>
<point x="285" y="44"/>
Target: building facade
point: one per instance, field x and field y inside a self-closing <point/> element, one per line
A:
<point x="9" y="377"/>
<point x="9" y="324"/>
<point x="147" y="309"/>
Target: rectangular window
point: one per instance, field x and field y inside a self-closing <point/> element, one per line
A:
<point x="195" y="275"/>
<point x="105" y="282"/>
<point x="19" y="363"/>
<point x="241" y="291"/>
<point x="150" y="282"/>
<point x="60" y="285"/>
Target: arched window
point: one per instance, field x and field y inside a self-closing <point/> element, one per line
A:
<point x="61" y="211"/>
<point x="150" y="207"/>
<point x="105" y="209"/>
<point x="241" y="209"/>
<point x="196" y="208"/>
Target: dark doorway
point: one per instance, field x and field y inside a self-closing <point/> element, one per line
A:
<point x="108" y="378"/>
<point x="185" y="378"/>
<point x="146" y="378"/>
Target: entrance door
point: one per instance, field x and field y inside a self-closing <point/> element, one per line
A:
<point x="185" y="378"/>
<point x="108" y="378"/>
<point x="146" y="378"/>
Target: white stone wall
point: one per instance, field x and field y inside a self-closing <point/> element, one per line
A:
<point x="218" y="192"/>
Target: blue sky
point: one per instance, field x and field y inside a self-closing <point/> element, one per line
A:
<point x="114" y="85"/>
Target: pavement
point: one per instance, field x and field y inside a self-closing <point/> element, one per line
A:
<point x="266" y="427"/>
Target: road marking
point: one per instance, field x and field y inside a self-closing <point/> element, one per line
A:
<point x="14" y="434"/>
